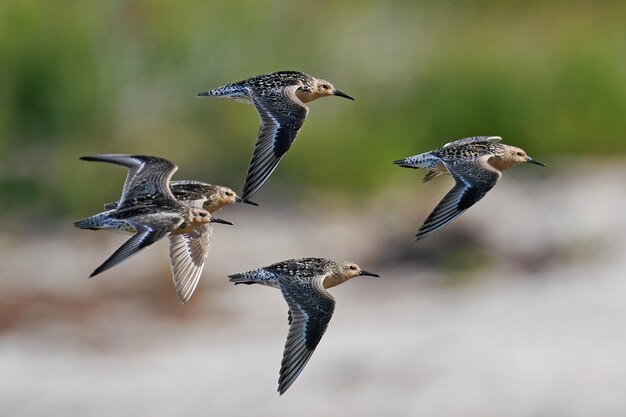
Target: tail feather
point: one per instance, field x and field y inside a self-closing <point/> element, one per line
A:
<point x="230" y="91"/>
<point x="405" y="163"/>
<point x="424" y="160"/>
<point x="243" y="278"/>
<point x="82" y="224"/>
<point x="91" y="222"/>
<point x="104" y="221"/>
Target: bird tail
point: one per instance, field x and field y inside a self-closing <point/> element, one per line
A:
<point x="226" y="91"/>
<point x="242" y="278"/>
<point x="104" y="221"/>
<point x="94" y="222"/>
<point x="423" y="160"/>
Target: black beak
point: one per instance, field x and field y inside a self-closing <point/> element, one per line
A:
<point x="534" y="161"/>
<point x="216" y="220"/>
<point x="369" y="274"/>
<point x="340" y="94"/>
<point x="203" y="94"/>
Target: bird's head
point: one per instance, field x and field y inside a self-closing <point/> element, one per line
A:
<point x="518" y="156"/>
<point x="222" y="196"/>
<point x="200" y="216"/>
<point x="343" y="271"/>
<point x="320" y="88"/>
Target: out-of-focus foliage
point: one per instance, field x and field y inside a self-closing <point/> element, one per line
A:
<point x="121" y="76"/>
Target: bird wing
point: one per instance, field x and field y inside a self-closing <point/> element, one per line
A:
<point x="282" y="115"/>
<point x="147" y="175"/>
<point x="191" y="190"/>
<point x="310" y="310"/>
<point x="146" y="235"/>
<point x="188" y="253"/>
<point x="472" y="181"/>
<point x="183" y="191"/>
<point x="473" y="139"/>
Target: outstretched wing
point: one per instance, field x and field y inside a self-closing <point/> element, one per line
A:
<point x="147" y="175"/>
<point x="188" y="252"/>
<point x="311" y="308"/>
<point x="473" y="181"/>
<point x="282" y="115"/>
<point x="146" y="235"/>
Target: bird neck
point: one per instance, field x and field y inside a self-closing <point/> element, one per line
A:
<point x="188" y="225"/>
<point x="307" y="96"/>
<point x="334" y="280"/>
<point x="214" y="205"/>
<point x="501" y="163"/>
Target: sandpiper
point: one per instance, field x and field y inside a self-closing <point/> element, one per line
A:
<point x="189" y="251"/>
<point x="215" y="196"/>
<point x="303" y="283"/>
<point x="476" y="164"/>
<point x="279" y="98"/>
<point x="149" y="210"/>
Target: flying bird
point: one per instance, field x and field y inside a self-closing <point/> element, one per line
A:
<point x="303" y="283"/>
<point x="476" y="164"/>
<point x="149" y="211"/>
<point x="280" y="99"/>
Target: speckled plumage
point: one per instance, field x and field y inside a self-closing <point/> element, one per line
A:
<point x="279" y="98"/>
<point x="148" y="209"/>
<point x="213" y="197"/>
<point x="189" y="251"/>
<point x="303" y="283"/>
<point x="476" y="164"/>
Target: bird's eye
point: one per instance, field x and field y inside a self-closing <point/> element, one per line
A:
<point x="520" y="154"/>
<point x="352" y="267"/>
<point x="325" y="86"/>
<point x="229" y="194"/>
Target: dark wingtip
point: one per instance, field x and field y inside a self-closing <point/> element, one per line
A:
<point x="244" y="201"/>
<point x="203" y="94"/>
<point x="252" y="203"/>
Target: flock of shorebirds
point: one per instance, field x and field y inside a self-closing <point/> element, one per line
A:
<point x="152" y="206"/>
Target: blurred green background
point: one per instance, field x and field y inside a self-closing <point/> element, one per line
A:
<point x="91" y="77"/>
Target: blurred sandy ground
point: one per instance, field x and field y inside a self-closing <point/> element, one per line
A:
<point x="516" y="309"/>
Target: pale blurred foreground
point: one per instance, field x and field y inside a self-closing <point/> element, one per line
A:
<point x="518" y="308"/>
